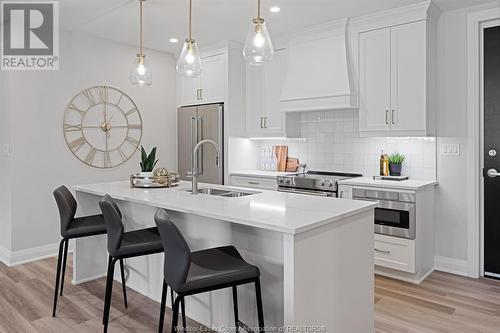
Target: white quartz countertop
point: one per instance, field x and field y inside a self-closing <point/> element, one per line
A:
<point x="260" y="173"/>
<point x="271" y="210"/>
<point x="410" y="184"/>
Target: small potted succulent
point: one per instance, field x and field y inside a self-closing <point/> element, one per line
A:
<point x="396" y="164"/>
<point x="148" y="163"/>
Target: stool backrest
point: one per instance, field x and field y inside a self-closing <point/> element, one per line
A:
<point x="177" y="252"/>
<point x="67" y="205"/>
<point x="114" y="225"/>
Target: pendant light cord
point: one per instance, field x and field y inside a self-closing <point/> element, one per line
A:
<point x="190" y="18"/>
<point x="258" y="10"/>
<point x="141" y="33"/>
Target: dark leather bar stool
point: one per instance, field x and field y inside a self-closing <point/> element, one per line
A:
<point x="122" y="245"/>
<point x="71" y="228"/>
<point x="189" y="273"/>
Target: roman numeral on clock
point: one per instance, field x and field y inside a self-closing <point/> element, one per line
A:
<point x="77" y="144"/>
<point x="72" y="128"/>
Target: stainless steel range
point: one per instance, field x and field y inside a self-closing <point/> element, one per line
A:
<point x="317" y="183"/>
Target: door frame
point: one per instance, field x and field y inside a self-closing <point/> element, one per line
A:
<point x="476" y="22"/>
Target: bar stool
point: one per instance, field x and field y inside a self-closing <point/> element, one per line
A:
<point x="189" y="273"/>
<point x="71" y="228"/>
<point x="122" y="245"/>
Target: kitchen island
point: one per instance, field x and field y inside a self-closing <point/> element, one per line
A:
<point x="315" y="254"/>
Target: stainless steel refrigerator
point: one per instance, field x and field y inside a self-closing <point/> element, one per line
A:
<point x="196" y="123"/>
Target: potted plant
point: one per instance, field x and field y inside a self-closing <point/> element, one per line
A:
<point x="148" y="163"/>
<point x="396" y="164"/>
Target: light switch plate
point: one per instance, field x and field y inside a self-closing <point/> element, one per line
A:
<point x="449" y="149"/>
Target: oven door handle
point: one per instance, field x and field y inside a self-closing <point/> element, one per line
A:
<point x="296" y="191"/>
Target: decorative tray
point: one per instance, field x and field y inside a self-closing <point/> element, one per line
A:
<point x="169" y="180"/>
<point x="397" y="178"/>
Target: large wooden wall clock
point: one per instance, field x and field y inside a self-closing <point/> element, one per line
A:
<point x="102" y="127"/>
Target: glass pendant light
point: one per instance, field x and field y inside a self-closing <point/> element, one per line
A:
<point x="189" y="62"/>
<point x="258" y="46"/>
<point x="141" y="72"/>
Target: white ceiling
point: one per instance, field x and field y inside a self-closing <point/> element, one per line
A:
<point x="213" y="20"/>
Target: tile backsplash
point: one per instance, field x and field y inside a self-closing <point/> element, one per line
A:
<point x="331" y="142"/>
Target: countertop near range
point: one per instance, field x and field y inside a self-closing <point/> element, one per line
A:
<point x="410" y="184"/>
<point x="271" y="210"/>
<point x="260" y="173"/>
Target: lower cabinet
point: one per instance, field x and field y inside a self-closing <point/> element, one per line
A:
<point x="254" y="182"/>
<point x="396" y="253"/>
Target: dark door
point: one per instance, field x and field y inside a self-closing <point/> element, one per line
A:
<point x="492" y="152"/>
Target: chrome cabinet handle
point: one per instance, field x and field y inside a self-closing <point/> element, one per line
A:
<point x="341" y="194"/>
<point x="261" y="123"/>
<point x="392" y="118"/>
<point x="265" y="122"/>
<point x="382" y="251"/>
<point x="201" y="94"/>
<point x="492" y="173"/>
<point x="198" y="94"/>
<point x="253" y="183"/>
<point x="387" y="117"/>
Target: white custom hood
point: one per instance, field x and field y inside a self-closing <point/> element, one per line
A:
<point x="319" y="70"/>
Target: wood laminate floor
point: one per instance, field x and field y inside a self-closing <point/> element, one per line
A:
<point x="443" y="303"/>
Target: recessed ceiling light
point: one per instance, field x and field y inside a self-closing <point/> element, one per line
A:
<point x="173" y="40"/>
<point x="275" y="9"/>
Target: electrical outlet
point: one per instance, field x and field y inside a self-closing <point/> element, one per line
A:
<point x="449" y="149"/>
<point x="6" y="150"/>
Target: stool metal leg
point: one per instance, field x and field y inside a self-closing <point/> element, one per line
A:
<point x="235" y="306"/>
<point x="64" y="264"/>
<point x="175" y="314"/>
<point x="183" y="307"/>
<point x="124" y="288"/>
<point x="110" y="259"/>
<point x="109" y="292"/>
<point x="164" y="292"/>
<point x="260" y="311"/>
<point x="58" y="275"/>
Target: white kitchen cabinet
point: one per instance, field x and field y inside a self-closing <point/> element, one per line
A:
<point x="395" y="253"/>
<point x="264" y="84"/>
<point x="345" y="192"/>
<point x="264" y="183"/>
<point x="394" y="81"/>
<point x="209" y="87"/>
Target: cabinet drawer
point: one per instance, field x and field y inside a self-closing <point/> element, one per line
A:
<point x="255" y="182"/>
<point x="395" y="253"/>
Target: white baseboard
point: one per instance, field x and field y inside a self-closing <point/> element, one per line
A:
<point x="450" y="265"/>
<point x="4" y="255"/>
<point x="14" y="258"/>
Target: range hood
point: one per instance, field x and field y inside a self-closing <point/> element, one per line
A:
<point x="319" y="75"/>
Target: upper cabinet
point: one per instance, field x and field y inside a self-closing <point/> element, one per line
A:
<point x="396" y="78"/>
<point x="263" y="91"/>
<point x="209" y="87"/>
<point x="318" y="74"/>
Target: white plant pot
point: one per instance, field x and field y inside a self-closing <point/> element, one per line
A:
<point x="149" y="176"/>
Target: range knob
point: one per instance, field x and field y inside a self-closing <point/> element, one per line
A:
<point x="287" y="180"/>
<point x="280" y="179"/>
<point x="329" y="183"/>
<point x="321" y="183"/>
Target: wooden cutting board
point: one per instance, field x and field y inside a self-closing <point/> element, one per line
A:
<point x="292" y="164"/>
<point x="281" y="156"/>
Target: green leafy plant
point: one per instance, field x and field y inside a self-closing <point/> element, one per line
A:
<point x="396" y="158"/>
<point x="148" y="162"/>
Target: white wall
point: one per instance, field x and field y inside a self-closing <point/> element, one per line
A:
<point x="40" y="159"/>
<point x="451" y="199"/>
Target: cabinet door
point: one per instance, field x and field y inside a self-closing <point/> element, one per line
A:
<point x="213" y="79"/>
<point x="374" y="80"/>
<point x="274" y="79"/>
<point x="408" y="48"/>
<point x="255" y="101"/>
<point x="188" y="94"/>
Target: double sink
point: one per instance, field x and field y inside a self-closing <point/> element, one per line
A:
<point x="224" y="193"/>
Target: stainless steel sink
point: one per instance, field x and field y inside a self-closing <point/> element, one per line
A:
<point x="224" y="193"/>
